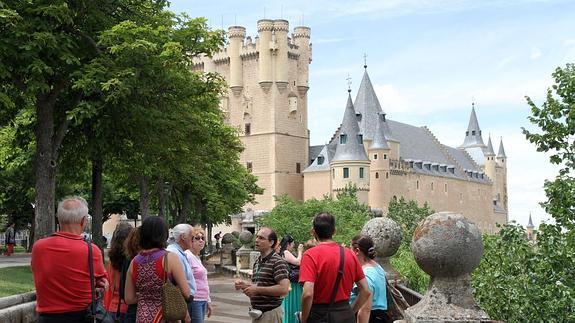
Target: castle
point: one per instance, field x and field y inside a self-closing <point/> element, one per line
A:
<point x="385" y="159"/>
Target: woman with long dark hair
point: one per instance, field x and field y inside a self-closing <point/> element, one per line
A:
<point x="147" y="274"/>
<point x="113" y="301"/>
<point x="375" y="309"/>
<point x="292" y="303"/>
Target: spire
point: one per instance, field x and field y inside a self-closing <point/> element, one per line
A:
<point x="367" y="105"/>
<point x="530" y="224"/>
<point x="349" y="143"/>
<point x="379" y="141"/>
<point x="489" y="151"/>
<point x="501" y="153"/>
<point x="473" y="134"/>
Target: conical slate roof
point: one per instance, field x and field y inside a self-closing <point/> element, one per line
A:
<point x="501" y="153"/>
<point x="367" y="104"/>
<point x="379" y="141"/>
<point x="489" y="151"/>
<point x="353" y="148"/>
<point x="530" y="224"/>
<point x="473" y="134"/>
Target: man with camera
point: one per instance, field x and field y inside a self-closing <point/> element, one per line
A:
<point x="270" y="281"/>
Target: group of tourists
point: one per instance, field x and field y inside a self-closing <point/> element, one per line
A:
<point x="320" y="282"/>
<point x="70" y="276"/>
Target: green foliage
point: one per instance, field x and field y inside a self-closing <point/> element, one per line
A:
<point x="15" y="280"/>
<point x="520" y="281"/>
<point x="295" y="218"/>
<point x="404" y="262"/>
<point x="408" y="215"/>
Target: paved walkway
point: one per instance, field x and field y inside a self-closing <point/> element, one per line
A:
<point x="228" y="304"/>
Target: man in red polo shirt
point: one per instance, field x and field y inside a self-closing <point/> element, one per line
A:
<point x="318" y="272"/>
<point x="61" y="270"/>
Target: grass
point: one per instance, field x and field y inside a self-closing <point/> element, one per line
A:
<point x="15" y="280"/>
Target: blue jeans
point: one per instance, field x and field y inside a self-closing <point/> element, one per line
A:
<point x="198" y="311"/>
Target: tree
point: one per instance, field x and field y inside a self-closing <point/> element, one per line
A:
<point x="43" y="46"/>
<point x="295" y="218"/>
<point x="520" y="281"/>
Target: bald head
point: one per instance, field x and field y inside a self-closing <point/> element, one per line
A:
<point x="72" y="210"/>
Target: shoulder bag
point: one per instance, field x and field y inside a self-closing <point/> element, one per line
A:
<point x="174" y="306"/>
<point x="95" y="311"/>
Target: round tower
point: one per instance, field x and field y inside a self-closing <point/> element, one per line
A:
<point x="281" y="28"/>
<point x="265" y="27"/>
<point x="301" y="36"/>
<point x="379" y="150"/>
<point x="350" y="165"/>
<point x="236" y="35"/>
<point x="490" y="163"/>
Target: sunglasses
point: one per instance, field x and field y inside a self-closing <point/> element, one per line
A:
<point x="198" y="238"/>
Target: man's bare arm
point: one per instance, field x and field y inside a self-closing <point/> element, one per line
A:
<point x="306" y="300"/>
<point x="279" y="290"/>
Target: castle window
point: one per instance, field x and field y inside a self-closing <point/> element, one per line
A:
<point x="374" y="156"/>
<point x="467" y="134"/>
<point x="320" y="160"/>
<point x="333" y="173"/>
<point x="473" y="132"/>
<point x="292" y="103"/>
<point x="417" y="185"/>
<point x="247" y="129"/>
<point x="298" y="168"/>
<point x="360" y="138"/>
<point x="432" y="186"/>
<point x="361" y="172"/>
<point x="452" y="170"/>
<point x="249" y="166"/>
<point x="384" y="156"/>
<point x="345" y="172"/>
<point x="386" y="175"/>
<point x="445" y="187"/>
<point x="376" y="175"/>
<point x="427" y="166"/>
<point x="411" y="164"/>
<point x="343" y="139"/>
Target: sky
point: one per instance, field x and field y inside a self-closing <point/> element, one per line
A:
<point x="428" y="61"/>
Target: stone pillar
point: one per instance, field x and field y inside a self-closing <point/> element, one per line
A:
<point x="386" y="236"/>
<point x="254" y="255"/>
<point x="281" y="28"/>
<point x="265" y="27"/>
<point x="227" y="248"/>
<point x="448" y="247"/>
<point x="243" y="253"/>
<point x="236" y="36"/>
<point x="301" y="38"/>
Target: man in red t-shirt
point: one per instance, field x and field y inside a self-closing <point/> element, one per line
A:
<point x="60" y="267"/>
<point x="319" y="271"/>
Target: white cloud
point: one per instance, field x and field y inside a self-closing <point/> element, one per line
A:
<point x="535" y="53"/>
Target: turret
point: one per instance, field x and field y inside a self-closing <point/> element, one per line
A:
<point x="281" y="28"/>
<point x="501" y="157"/>
<point x="236" y="36"/>
<point x="530" y="227"/>
<point x="301" y="36"/>
<point x="350" y="164"/>
<point x="265" y="27"/>
<point x="501" y="163"/>
<point x="473" y="134"/>
<point x="490" y="161"/>
<point x="379" y="168"/>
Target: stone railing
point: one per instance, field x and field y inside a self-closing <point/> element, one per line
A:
<point x="446" y="246"/>
<point x="18" y="308"/>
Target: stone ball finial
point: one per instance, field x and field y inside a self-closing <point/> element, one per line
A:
<point x="246" y="237"/>
<point x="228" y="238"/>
<point x="447" y="244"/>
<point x="386" y="235"/>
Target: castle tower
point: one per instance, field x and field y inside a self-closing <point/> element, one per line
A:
<point x="473" y="136"/>
<point x="379" y="193"/>
<point x="490" y="162"/>
<point x="530" y="227"/>
<point x="265" y="103"/>
<point x="501" y="181"/>
<point x="350" y="164"/>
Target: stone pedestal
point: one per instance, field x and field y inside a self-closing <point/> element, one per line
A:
<point x="243" y="253"/>
<point x="254" y="255"/>
<point x="226" y="256"/>
<point x="386" y="236"/>
<point x="448" y="247"/>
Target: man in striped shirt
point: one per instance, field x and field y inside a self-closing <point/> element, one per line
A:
<point x="270" y="281"/>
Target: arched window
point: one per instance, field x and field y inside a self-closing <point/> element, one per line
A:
<point x="376" y="175"/>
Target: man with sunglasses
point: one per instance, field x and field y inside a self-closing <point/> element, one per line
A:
<point x="182" y="234"/>
<point x="270" y="281"/>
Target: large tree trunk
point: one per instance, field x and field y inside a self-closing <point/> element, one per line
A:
<point x="144" y="196"/>
<point x="97" y="213"/>
<point x="186" y="206"/>
<point x="44" y="219"/>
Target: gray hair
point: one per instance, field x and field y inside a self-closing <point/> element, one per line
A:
<point x="181" y="230"/>
<point x="72" y="209"/>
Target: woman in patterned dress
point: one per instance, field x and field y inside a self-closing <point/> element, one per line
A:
<point x="147" y="273"/>
<point x="292" y="303"/>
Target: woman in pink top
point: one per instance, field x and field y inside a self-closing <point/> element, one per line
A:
<point x="201" y="306"/>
